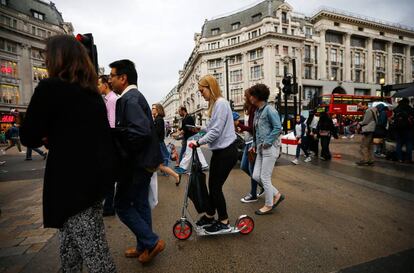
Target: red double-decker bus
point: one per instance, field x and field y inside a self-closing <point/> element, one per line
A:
<point x="342" y="104"/>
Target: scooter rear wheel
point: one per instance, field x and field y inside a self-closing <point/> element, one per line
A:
<point x="245" y="225"/>
<point x="182" y="230"/>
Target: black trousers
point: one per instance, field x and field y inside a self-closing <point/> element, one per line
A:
<point x="325" y="147"/>
<point x="222" y="161"/>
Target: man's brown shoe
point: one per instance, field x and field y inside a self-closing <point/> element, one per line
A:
<point x="132" y="252"/>
<point x="147" y="256"/>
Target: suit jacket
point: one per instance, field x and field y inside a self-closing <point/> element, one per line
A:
<point x="79" y="166"/>
<point x="137" y="141"/>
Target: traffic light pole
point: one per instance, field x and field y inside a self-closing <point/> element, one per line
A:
<point x="295" y="90"/>
<point x="285" y="121"/>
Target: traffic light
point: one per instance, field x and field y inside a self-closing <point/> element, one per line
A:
<point x="87" y="41"/>
<point x="287" y="85"/>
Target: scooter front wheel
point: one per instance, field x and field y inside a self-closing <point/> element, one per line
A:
<point x="245" y="225"/>
<point x="182" y="229"/>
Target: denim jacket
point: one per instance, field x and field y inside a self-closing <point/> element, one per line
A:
<point x="267" y="126"/>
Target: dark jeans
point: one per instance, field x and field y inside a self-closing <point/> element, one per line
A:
<point x="14" y="142"/>
<point x="325" y="153"/>
<point x="314" y="144"/>
<point x="222" y="161"/>
<point x="404" y="138"/>
<point x="247" y="167"/>
<point x="109" y="200"/>
<point x="132" y="207"/>
<point x="304" y="146"/>
<point x="29" y="152"/>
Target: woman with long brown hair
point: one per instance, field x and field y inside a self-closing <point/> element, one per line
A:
<point x="158" y="115"/>
<point x="78" y="170"/>
<point x="247" y="164"/>
<point x="220" y="137"/>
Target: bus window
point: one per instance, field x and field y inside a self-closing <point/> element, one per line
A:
<point x="337" y="100"/>
<point x="356" y="100"/>
<point x="347" y="100"/>
<point x="326" y="100"/>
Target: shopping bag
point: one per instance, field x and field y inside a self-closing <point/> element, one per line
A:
<point x="197" y="191"/>
<point x="153" y="191"/>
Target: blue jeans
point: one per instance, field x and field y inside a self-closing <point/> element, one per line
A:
<point x="165" y="154"/>
<point x="247" y="167"/>
<point x="404" y="137"/>
<point x="29" y="152"/>
<point x="304" y="146"/>
<point x="132" y="207"/>
<point x="183" y="147"/>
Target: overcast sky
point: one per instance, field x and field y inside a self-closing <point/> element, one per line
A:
<point x="158" y="34"/>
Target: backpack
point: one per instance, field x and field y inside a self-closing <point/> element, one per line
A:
<point x="403" y="121"/>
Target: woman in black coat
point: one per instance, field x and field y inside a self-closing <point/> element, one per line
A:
<point x="78" y="170"/>
<point x="325" y="131"/>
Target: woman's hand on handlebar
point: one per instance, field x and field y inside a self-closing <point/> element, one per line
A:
<point x="193" y="144"/>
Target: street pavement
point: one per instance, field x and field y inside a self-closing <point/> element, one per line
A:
<point x="337" y="217"/>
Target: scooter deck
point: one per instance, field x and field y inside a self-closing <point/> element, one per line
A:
<point x="201" y="232"/>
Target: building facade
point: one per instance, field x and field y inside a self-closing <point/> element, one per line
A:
<point x="24" y="26"/>
<point x="332" y="50"/>
<point x="171" y="103"/>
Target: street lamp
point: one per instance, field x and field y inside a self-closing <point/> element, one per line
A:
<point x="382" y="82"/>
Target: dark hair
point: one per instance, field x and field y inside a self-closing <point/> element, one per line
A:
<point x="260" y="91"/>
<point x="67" y="59"/>
<point x="404" y="101"/>
<point x="126" y="67"/>
<point x="182" y="108"/>
<point x="105" y="80"/>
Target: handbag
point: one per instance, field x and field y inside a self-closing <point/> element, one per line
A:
<point x="153" y="191"/>
<point x="197" y="190"/>
<point x="251" y="156"/>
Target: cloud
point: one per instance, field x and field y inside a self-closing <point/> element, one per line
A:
<point x="158" y="34"/>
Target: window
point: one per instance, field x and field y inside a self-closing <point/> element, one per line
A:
<point x="214" y="63"/>
<point x="357" y="59"/>
<point x="334" y="56"/>
<point x="382" y="33"/>
<point x="8" y="69"/>
<point x="357" y="42"/>
<point x="308" y="72"/>
<point x="5" y="20"/>
<point x="336" y="24"/>
<point x="284" y="18"/>
<point x="236" y="76"/>
<point x="284" y="30"/>
<point x="277" y="69"/>
<point x="215" y="31"/>
<point x="256" y="72"/>
<point x="308" y="32"/>
<point x="8" y="46"/>
<point x="293" y="32"/>
<point x="37" y="53"/>
<point x="332" y="37"/>
<point x="256" y="54"/>
<point x="4" y="2"/>
<point x="9" y="94"/>
<point x="254" y="34"/>
<point x="38" y="15"/>
<point x="235" y="26"/>
<point x="398" y="48"/>
<point x="235" y="59"/>
<point x="285" y="50"/>
<point x="39" y="73"/>
<point x="362" y="92"/>
<point x="219" y="78"/>
<point x="316" y="55"/>
<point x="256" y="17"/>
<point x="41" y="33"/>
<point x="379" y="45"/>
<point x="307" y="54"/>
<point x="357" y="76"/>
<point x="360" y="28"/>
<point x="33" y="30"/>
<point x="237" y="95"/>
<point x="334" y="74"/>
<point x="214" y="45"/>
<point x="277" y="50"/>
<point x="234" y="40"/>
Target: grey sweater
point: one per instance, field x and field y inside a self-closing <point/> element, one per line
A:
<point x="369" y="121"/>
<point x="220" y="131"/>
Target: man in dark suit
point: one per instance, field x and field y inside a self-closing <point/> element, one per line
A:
<point x="139" y="157"/>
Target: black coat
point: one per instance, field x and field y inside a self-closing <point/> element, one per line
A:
<point x="160" y="128"/>
<point x="79" y="166"/>
<point x="135" y="133"/>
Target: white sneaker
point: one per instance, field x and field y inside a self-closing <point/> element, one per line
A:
<point x="23" y="152"/>
<point x="352" y="136"/>
<point x="344" y="137"/>
<point x="295" y="161"/>
<point x="2" y="163"/>
<point x="308" y="159"/>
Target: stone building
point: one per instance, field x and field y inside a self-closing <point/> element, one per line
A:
<point x="171" y="103"/>
<point x="24" y="26"/>
<point x="332" y="49"/>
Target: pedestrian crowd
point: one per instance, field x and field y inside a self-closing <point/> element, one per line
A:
<point x="125" y="142"/>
